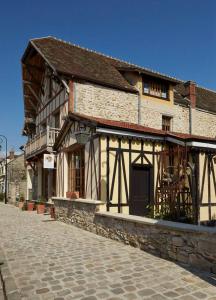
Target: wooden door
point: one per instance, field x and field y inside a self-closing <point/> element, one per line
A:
<point x="141" y="189"/>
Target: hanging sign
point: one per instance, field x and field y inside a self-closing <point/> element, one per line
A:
<point x="48" y="161"/>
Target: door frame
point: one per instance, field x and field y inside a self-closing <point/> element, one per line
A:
<point x="150" y="167"/>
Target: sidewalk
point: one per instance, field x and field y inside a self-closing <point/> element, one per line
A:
<point x="51" y="260"/>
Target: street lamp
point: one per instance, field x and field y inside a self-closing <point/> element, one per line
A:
<point x="2" y="136"/>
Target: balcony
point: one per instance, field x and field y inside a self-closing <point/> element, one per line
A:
<point x="42" y="141"/>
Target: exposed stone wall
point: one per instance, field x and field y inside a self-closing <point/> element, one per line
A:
<point x="184" y="243"/>
<point x="204" y="123"/>
<point x="17" y="182"/>
<point x="78" y="212"/>
<point x="99" y="101"/>
<point x="189" y="244"/>
<point x="152" y="112"/>
<point x="104" y="102"/>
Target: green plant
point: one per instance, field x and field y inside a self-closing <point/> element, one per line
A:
<point x="164" y="212"/>
<point x="2" y="196"/>
<point x="22" y="198"/>
<point x="41" y="200"/>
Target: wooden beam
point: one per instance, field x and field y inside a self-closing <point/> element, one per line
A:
<point x="34" y="67"/>
<point x="32" y="103"/>
<point x="31" y="82"/>
<point x="34" y="94"/>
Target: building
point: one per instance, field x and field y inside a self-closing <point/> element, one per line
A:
<point x="16" y="178"/>
<point x="123" y="134"/>
<point x="3" y="177"/>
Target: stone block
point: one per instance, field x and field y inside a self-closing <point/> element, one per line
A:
<point x="178" y="241"/>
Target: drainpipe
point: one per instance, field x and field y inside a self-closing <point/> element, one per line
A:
<point x="139" y="107"/>
<point x="190" y="114"/>
<point x="74" y="96"/>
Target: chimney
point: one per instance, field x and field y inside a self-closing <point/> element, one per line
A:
<point x="190" y="92"/>
<point x="11" y="154"/>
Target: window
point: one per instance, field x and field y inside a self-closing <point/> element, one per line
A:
<point x="43" y="126"/>
<point x="76" y="171"/>
<point x="166" y="123"/>
<point x="57" y="120"/>
<point x="156" y="89"/>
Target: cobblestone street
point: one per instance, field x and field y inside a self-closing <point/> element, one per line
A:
<point x="50" y="260"/>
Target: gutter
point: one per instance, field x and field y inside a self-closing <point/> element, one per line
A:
<point x="190" y="114"/>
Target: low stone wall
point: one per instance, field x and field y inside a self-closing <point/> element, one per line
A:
<point x="189" y="244"/>
<point x="80" y="212"/>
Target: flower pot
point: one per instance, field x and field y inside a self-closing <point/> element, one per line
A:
<point x="21" y="204"/>
<point x="40" y="208"/>
<point x="30" y="206"/>
<point x="72" y="195"/>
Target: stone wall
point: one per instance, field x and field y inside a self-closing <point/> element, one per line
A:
<point x="17" y="182"/>
<point x="188" y="244"/>
<point x="184" y="243"/>
<point x="79" y="212"/>
<point x="204" y="123"/>
<point x="104" y="102"/>
<point x="151" y="115"/>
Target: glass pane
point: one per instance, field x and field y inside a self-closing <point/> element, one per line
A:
<point x="146" y="87"/>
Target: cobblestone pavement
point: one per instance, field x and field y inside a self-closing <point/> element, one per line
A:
<point x="51" y="260"/>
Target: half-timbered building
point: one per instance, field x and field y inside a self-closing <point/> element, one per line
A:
<point x="142" y="142"/>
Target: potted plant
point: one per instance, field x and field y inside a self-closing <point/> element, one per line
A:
<point x="30" y="206"/>
<point x="72" y="195"/>
<point x="41" y="206"/>
<point x="21" y="201"/>
<point x="52" y="212"/>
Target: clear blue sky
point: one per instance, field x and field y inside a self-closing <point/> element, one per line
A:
<point x="175" y="37"/>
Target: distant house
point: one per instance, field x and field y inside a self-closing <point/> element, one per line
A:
<point x="16" y="179"/>
<point x="2" y="175"/>
<point x="3" y="178"/>
<point x="139" y="140"/>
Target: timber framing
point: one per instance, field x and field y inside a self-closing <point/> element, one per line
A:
<point x="180" y="186"/>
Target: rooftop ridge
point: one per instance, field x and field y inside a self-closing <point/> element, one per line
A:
<point x="203" y="88"/>
<point x="117" y="59"/>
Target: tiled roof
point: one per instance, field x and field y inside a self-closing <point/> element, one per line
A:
<point x="86" y="64"/>
<point x="82" y="63"/>
<point x="205" y="99"/>
<point x="138" y="128"/>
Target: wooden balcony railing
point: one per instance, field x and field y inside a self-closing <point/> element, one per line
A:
<point x="41" y="141"/>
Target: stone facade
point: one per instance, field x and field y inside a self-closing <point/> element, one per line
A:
<point x="204" y="123"/>
<point x="17" y="183"/>
<point x="187" y="244"/>
<point x="151" y="115"/>
<point x="78" y="212"/>
<point x="104" y="102"/>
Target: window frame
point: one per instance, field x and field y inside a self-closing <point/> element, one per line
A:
<point x="76" y="175"/>
<point x="170" y="118"/>
<point x="156" y="82"/>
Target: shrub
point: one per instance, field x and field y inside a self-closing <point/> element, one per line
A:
<point x="2" y="196"/>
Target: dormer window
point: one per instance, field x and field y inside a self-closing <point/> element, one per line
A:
<point x="155" y="89"/>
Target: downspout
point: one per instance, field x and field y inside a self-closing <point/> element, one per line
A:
<point x="139" y="108"/>
<point x="74" y="97"/>
<point x="190" y="114"/>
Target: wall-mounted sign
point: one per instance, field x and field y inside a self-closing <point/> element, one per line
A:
<point x="48" y="161"/>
